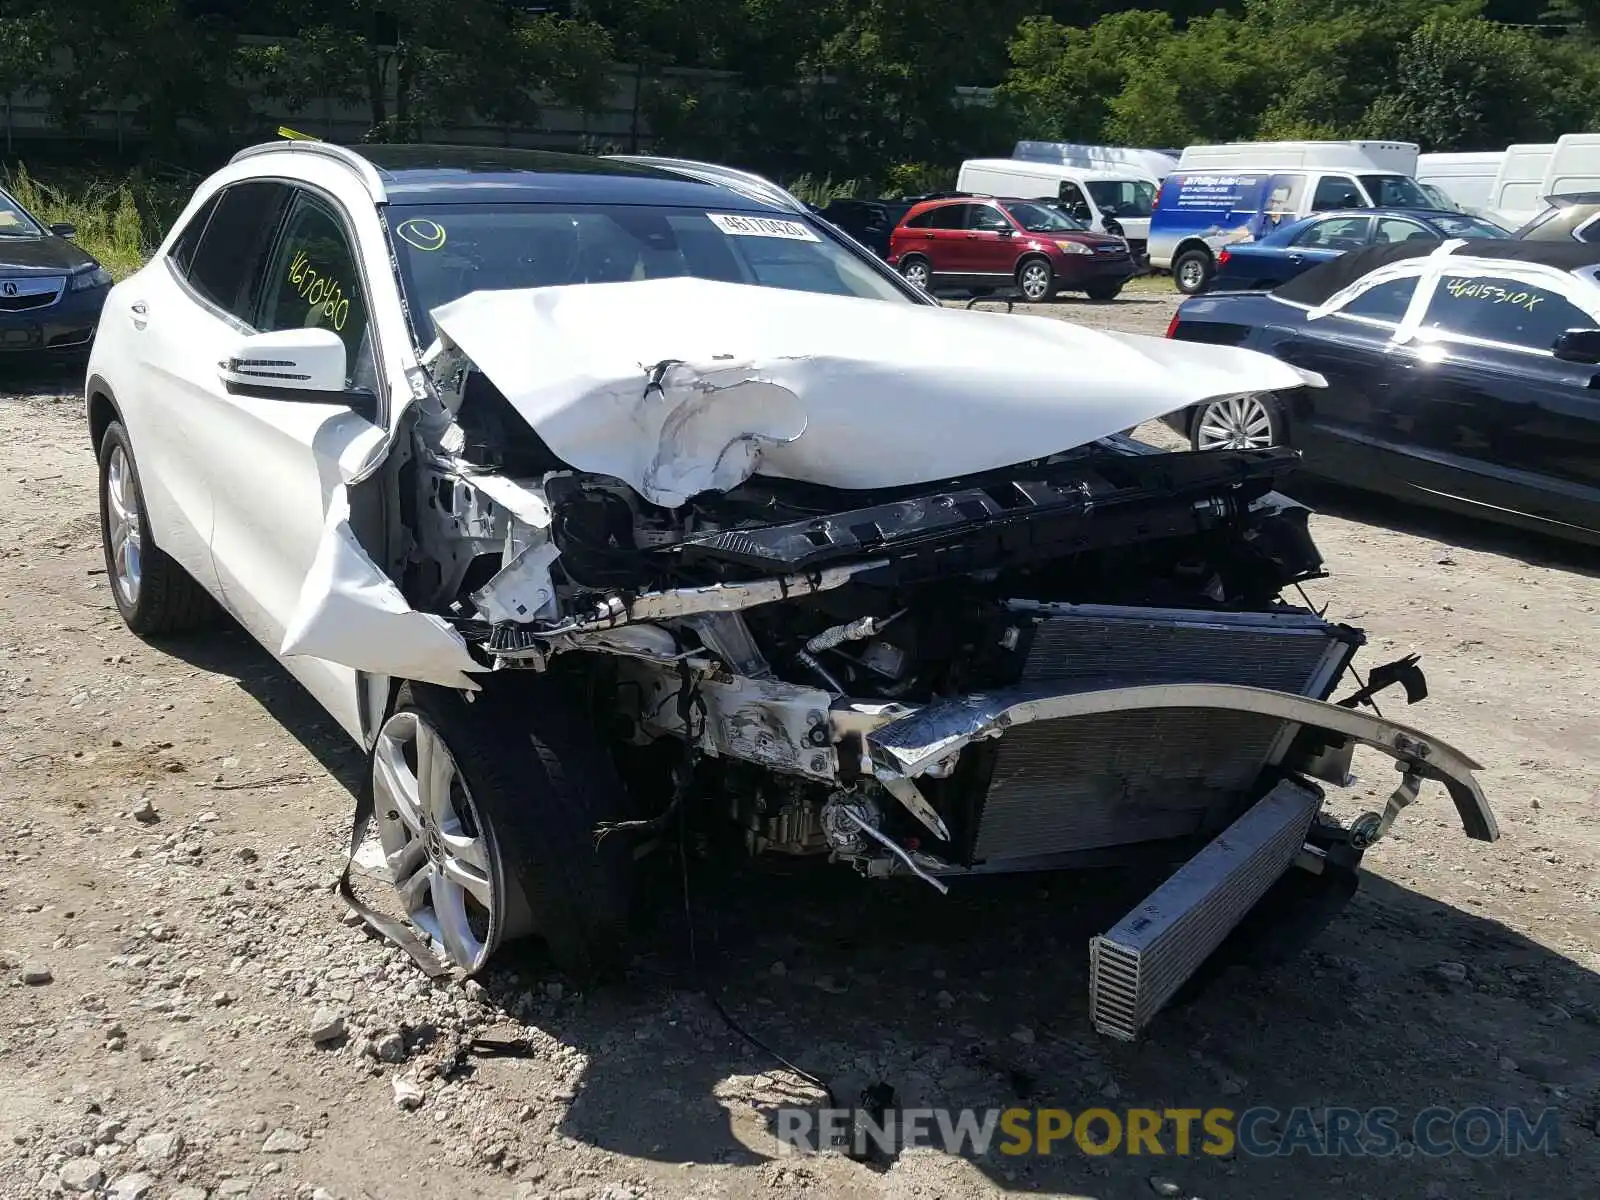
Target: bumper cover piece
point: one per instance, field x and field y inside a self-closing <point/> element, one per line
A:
<point x="939" y="732"/>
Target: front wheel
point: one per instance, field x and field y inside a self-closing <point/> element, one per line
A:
<point x="1035" y="280"/>
<point x="488" y="812"/>
<point x="1192" y="271"/>
<point x="1249" y="422"/>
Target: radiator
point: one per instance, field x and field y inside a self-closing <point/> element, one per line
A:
<point x="1116" y="779"/>
<point x="1137" y="965"/>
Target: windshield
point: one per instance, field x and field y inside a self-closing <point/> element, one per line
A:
<point x="1395" y="191"/>
<point x="446" y="251"/>
<point x="1040" y="218"/>
<point x="1123" y="197"/>
<point x="1467" y="227"/>
<point x="14" y="219"/>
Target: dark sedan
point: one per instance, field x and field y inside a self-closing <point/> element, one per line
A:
<point x="1468" y="381"/>
<point x="1301" y="245"/>
<point x="51" y="291"/>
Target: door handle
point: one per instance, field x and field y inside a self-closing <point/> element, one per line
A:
<point x="140" y="312"/>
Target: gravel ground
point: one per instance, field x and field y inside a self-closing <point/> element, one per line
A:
<point x="188" y="1015"/>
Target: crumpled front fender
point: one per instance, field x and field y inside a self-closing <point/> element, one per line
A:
<point x="936" y="733"/>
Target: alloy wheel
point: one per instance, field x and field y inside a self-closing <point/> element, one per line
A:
<point x="1036" y="281"/>
<point x="1191" y="274"/>
<point x="433" y="842"/>
<point x="1234" y="423"/>
<point x="124" y="529"/>
<point x="916" y="274"/>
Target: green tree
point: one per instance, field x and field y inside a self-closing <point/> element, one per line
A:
<point x="418" y="64"/>
<point x="1063" y="80"/>
<point x="1464" y="83"/>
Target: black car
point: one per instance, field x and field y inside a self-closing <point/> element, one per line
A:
<point x="51" y="291"/>
<point x="1466" y="378"/>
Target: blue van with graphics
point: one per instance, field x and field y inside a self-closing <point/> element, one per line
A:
<point x="1198" y="212"/>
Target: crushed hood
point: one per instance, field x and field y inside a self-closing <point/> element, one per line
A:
<point x="680" y="386"/>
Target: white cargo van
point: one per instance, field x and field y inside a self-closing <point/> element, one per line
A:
<point x="1116" y="202"/>
<point x="1574" y="166"/>
<point x="1517" y="194"/>
<point x="1467" y="178"/>
<point x="1398" y="158"/>
<point x="1224" y="194"/>
<point x="1157" y="164"/>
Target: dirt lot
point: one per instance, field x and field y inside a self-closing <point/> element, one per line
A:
<point x="177" y="814"/>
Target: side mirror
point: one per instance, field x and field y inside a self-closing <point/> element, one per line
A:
<point x="1578" y="346"/>
<point x="64" y="229"/>
<point x="304" y="365"/>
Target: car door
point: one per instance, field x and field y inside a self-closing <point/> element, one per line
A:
<point x="946" y="242"/>
<point x="183" y="317"/>
<point x="1498" y="420"/>
<point x="1077" y="204"/>
<point x="1323" y="240"/>
<point x="1352" y="429"/>
<point x="991" y="242"/>
<point x="284" y="459"/>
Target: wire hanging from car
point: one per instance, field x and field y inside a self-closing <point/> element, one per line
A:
<point x="1348" y="666"/>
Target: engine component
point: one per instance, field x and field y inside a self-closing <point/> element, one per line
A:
<point x="844" y="817"/>
<point x="1137" y="965"/>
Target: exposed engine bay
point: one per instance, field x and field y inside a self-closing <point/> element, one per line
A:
<point x="1077" y="659"/>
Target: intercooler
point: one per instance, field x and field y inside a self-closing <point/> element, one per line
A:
<point x="1090" y="783"/>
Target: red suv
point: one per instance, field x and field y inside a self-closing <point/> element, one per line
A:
<point x="982" y="243"/>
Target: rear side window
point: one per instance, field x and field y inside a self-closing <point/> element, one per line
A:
<point x="1397" y="229"/>
<point x="182" y="253"/>
<point x="923" y="220"/>
<point x="951" y="216"/>
<point x="1498" y="309"/>
<point x="1336" y="191"/>
<point x="225" y="265"/>
<point x="1383" y="301"/>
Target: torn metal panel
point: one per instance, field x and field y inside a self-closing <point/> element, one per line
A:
<point x="350" y="612"/>
<point x="935" y="734"/>
<point x="523" y="591"/>
<point x="713" y="598"/>
<point x="683" y="385"/>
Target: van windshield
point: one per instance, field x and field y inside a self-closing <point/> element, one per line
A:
<point x="1396" y="191"/>
<point x="1123" y="197"/>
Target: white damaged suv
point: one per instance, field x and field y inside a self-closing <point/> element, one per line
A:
<point x="593" y="496"/>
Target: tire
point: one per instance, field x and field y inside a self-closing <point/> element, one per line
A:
<point x="1254" y="421"/>
<point x="535" y="783"/>
<point x="1036" y="280"/>
<point x="917" y="271"/>
<point x="1104" y="291"/>
<point x="152" y="592"/>
<point x="1192" y="271"/>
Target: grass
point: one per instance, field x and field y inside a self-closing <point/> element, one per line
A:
<point x="119" y="223"/>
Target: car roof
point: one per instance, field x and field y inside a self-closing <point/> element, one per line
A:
<point x="439" y="174"/>
<point x="1321" y="282"/>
